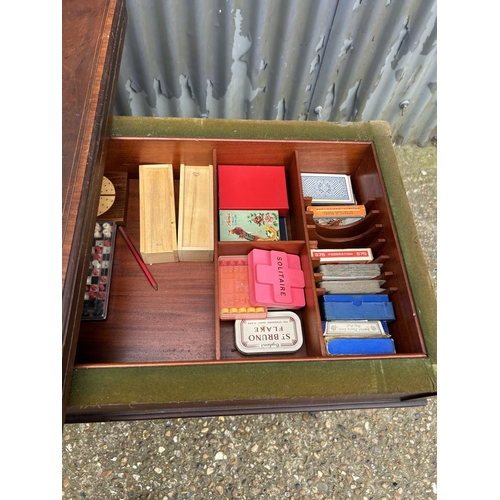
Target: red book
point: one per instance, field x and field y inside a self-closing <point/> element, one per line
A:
<point x="252" y="187"/>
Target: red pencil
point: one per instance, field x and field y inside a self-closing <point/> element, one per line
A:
<point x="138" y="258"/>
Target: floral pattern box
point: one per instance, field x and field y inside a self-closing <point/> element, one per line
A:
<point x="249" y="225"/>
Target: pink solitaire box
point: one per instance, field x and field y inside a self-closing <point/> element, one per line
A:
<point x="276" y="279"/>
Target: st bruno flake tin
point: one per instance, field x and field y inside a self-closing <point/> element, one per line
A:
<point x="280" y="332"/>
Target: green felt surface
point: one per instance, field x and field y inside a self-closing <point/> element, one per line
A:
<point x="139" y="126"/>
<point x="115" y="386"/>
<point x="257" y="381"/>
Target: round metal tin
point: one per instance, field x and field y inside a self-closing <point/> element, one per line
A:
<point x="280" y="332"/>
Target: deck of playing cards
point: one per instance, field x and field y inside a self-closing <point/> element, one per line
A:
<point x="343" y="272"/>
<point x="324" y="189"/>
<point x="338" y="256"/>
<point x="352" y="286"/>
<point x="336" y="221"/>
<point x="359" y="347"/>
<point x="352" y="306"/>
<point x="355" y="329"/>
<point x="337" y="211"/>
<point x="357" y="337"/>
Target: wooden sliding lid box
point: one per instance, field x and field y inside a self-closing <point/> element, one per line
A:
<point x="166" y="353"/>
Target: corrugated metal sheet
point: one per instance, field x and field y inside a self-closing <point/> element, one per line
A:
<point x="335" y="60"/>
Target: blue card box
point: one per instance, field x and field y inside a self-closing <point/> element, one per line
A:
<point x="375" y="307"/>
<point x="359" y="346"/>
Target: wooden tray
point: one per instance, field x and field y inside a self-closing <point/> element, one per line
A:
<point x="167" y="353"/>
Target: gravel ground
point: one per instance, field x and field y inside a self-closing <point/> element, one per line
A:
<point x="363" y="454"/>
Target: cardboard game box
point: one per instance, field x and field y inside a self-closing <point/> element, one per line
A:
<point x="253" y="187"/>
<point x="276" y="279"/>
<point x="249" y="225"/>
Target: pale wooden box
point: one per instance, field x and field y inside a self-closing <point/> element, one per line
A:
<point x="158" y="234"/>
<point x="196" y="223"/>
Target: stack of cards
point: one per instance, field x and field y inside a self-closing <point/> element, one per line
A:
<point x="345" y="255"/>
<point x="352" y="286"/>
<point x="325" y="189"/>
<point x="357" y="338"/>
<point x="351" y="278"/>
<point x="357" y="306"/>
<point x="359" y="347"/>
<point x="343" y="272"/>
<point x="355" y="329"/>
<point x="333" y="200"/>
<point x="336" y="216"/>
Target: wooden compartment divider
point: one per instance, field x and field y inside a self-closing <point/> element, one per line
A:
<point x="349" y="231"/>
<point x="179" y="324"/>
<point x="360" y="240"/>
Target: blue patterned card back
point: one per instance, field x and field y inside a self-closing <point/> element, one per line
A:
<point x="328" y="188"/>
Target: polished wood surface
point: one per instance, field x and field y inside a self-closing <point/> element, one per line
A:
<point x="92" y="40"/>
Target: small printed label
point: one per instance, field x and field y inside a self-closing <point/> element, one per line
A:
<point x="345" y="255"/>
<point x="356" y="253"/>
<point x="354" y="328"/>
